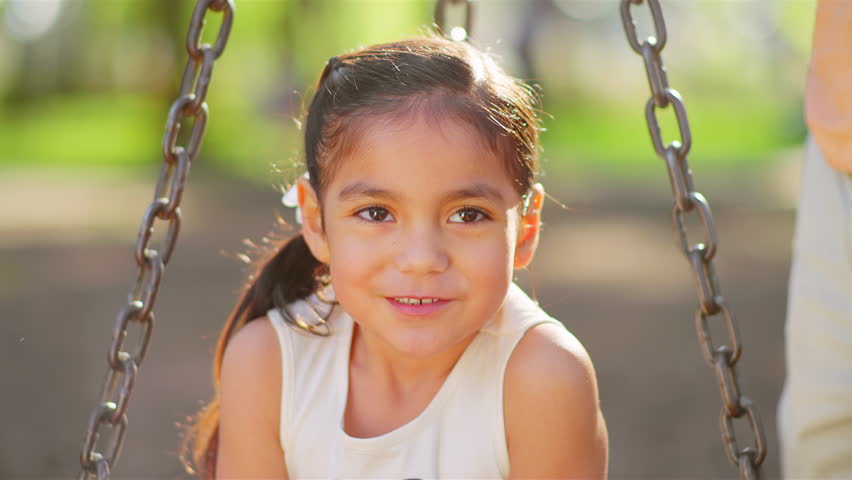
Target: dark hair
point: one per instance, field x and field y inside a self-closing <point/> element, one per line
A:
<point x="392" y="83"/>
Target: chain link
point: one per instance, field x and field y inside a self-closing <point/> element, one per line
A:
<point x="755" y="455"/>
<point x="180" y="108"/>
<point x="705" y="339"/>
<point x="695" y="199"/>
<point x="657" y="78"/>
<point x="685" y="143"/>
<point x="722" y="358"/>
<point x="131" y="311"/>
<point x="441" y="15"/>
<point x="658" y="41"/>
<point x="124" y="366"/>
<point x="680" y="176"/>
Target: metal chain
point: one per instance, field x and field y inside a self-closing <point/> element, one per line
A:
<point x="456" y="33"/>
<point x="712" y="305"/>
<point x="123" y="366"/>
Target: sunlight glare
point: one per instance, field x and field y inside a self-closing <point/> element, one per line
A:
<point x="458" y="34"/>
<point x="27" y="20"/>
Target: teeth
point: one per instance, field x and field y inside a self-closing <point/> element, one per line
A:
<point x="415" y="301"/>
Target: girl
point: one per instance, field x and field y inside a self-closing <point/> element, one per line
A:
<point x="387" y="340"/>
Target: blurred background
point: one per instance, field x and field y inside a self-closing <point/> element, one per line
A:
<point x="85" y="86"/>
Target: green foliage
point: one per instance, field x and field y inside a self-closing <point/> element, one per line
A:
<point x="277" y="49"/>
<point x="121" y="131"/>
<point x="613" y="138"/>
<point x="81" y="131"/>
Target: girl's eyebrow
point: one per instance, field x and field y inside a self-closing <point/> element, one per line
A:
<point x="359" y="189"/>
<point x="475" y="190"/>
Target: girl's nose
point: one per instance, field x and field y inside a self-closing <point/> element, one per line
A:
<point x="422" y="251"/>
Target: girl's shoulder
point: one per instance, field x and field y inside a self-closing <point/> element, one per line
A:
<point x="546" y="351"/>
<point x="549" y="350"/>
<point x="250" y="374"/>
<point x="554" y="426"/>
<point x="249" y="398"/>
<point x="250" y="358"/>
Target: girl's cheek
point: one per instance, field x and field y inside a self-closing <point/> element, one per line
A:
<point x="357" y="253"/>
<point x="492" y="250"/>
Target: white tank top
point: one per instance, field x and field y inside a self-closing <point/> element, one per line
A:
<point x="459" y="435"/>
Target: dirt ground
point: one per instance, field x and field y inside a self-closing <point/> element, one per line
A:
<point x="607" y="267"/>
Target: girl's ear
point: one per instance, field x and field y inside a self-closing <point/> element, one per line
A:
<point x="530" y="227"/>
<point x="312" y="226"/>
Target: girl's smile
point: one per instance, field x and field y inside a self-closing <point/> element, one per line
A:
<point x="417" y="307"/>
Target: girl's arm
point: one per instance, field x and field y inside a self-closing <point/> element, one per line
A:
<point x="554" y="426"/>
<point x="250" y="404"/>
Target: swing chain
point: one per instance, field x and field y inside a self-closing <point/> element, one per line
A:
<point x="722" y="358"/>
<point x="456" y="33"/>
<point x="123" y="366"/>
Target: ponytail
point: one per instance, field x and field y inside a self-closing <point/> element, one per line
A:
<point x="281" y="275"/>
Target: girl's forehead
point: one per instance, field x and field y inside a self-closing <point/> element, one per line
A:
<point x="421" y="158"/>
<point x="421" y="129"/>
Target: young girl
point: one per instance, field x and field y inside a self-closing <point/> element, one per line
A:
<point x="387" y="340"/>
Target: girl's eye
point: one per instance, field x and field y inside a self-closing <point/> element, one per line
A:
<point x="468" y="215"/>
<point x="375" y="214"/>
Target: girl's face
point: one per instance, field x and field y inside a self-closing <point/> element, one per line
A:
<point x="421" y="228"/>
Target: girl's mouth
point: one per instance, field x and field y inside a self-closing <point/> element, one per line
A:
<point x="417" y="306"/>
<point x="414" y="300"/>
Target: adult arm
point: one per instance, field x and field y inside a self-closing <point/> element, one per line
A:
<point x="828" y="94"/>
<point x="250" y="405"/>
<point x="554" y="426"/>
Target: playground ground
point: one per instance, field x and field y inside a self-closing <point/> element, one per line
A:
<point x="607" y="267"/>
